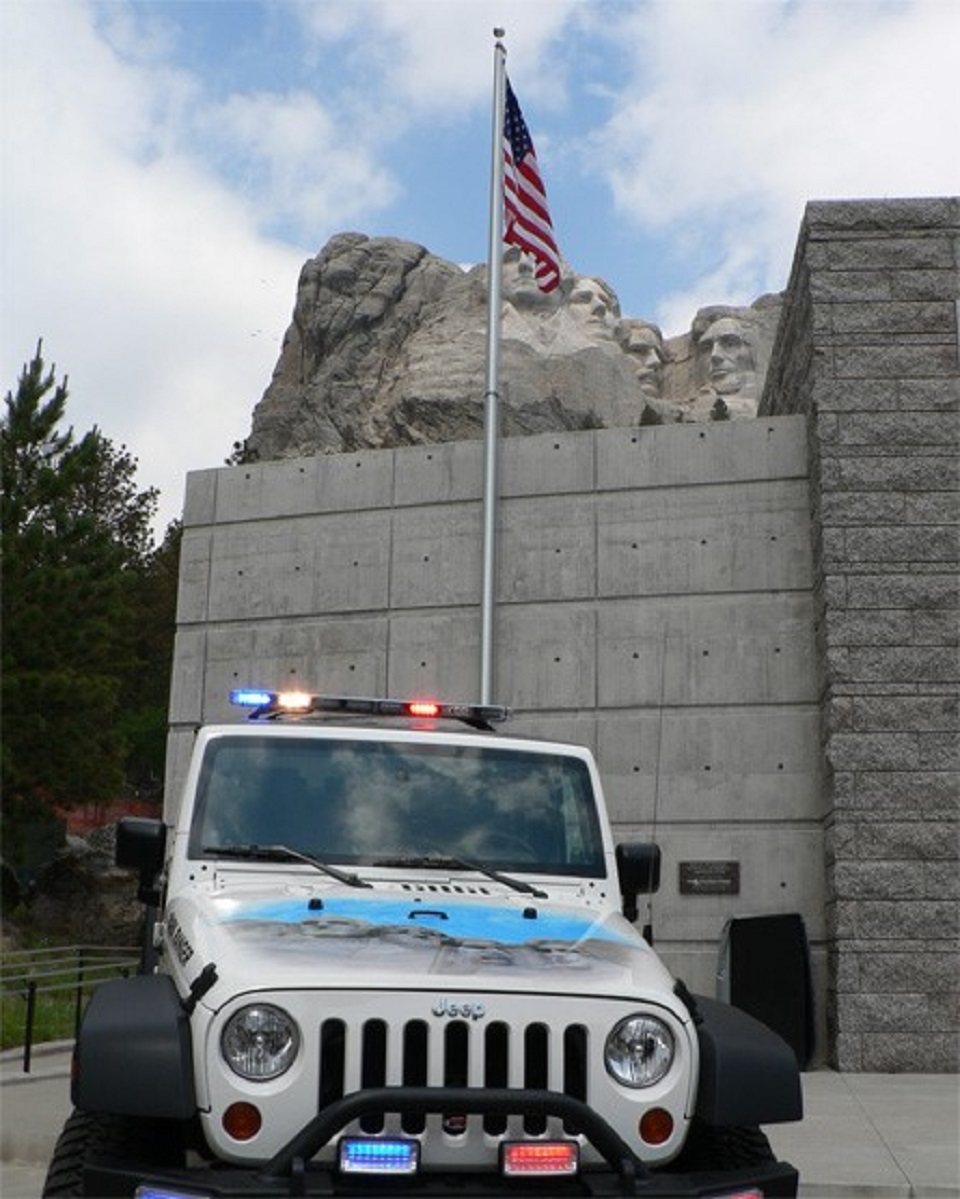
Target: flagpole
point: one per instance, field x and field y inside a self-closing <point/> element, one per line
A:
<point x="492" y="388"/>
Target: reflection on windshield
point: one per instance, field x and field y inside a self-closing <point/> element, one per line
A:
<point x="358" y="801"/>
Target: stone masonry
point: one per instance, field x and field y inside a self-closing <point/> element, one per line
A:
<point x="868" y="351"/>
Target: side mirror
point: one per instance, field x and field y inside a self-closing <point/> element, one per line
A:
<point x="638" y="865"/>
<point x="141" y="843"/>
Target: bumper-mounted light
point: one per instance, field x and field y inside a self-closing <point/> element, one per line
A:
<point x="543" y="1159"/>
<point x="378" y="1155"/>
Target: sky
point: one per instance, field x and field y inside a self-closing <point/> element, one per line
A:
<point x="167" y="166"/>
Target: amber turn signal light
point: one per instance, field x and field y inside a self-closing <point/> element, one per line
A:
<point x="656" y="1126"/>
<point x="242" y="1121"/>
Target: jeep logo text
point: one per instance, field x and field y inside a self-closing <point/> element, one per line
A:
<point x="466" y="1010"/>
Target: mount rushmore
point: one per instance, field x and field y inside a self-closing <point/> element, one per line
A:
<point x="387" y="347"/>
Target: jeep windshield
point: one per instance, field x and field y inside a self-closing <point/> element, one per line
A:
<point x="364" y="802"/>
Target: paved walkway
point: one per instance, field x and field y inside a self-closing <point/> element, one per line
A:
<point x="875" y="1136"/>
<point x="864" y="1136"/>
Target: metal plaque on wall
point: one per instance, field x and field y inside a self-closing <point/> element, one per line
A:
<point x="709" y="878"/>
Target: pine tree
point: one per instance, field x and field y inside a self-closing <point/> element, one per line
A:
<point x="75" y="535"/>
<point x="146" y="690"/>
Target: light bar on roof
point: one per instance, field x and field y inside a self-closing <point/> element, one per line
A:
<point x="271" y="703"/>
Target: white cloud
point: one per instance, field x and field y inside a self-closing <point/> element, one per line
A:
<point x="740" y="113"/>
<point x="438" y="56"/>
<point x="300" y="167"/>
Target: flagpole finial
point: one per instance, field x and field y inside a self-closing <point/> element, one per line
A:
<point x="498" y="32"/>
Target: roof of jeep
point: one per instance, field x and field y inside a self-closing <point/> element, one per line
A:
<point x="401" y="726"/>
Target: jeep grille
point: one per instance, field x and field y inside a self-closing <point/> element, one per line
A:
<point x="455" y="1053"/>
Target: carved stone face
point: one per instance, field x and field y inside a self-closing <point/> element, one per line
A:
<point x="725" y="356"/>
<point x="594" y="305"/>
<point x="644" y="344"/>
<point x="520" y="286"/>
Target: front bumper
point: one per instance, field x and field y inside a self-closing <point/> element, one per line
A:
<point x="292" y="1173"/>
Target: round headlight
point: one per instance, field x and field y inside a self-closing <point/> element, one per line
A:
<point x="260" y="1042"/>
<point x="639" y="1051"/>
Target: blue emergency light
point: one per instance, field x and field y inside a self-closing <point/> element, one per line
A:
<point x="379" y="1155"/>
<point x="250" y="697"/>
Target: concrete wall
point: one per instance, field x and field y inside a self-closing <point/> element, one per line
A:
<point x="867" y="351"/>
<point x="654" y="602"/>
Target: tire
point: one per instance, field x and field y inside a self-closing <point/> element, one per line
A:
<point x="722" y="1147"/>
<point x="89" y="1136"/>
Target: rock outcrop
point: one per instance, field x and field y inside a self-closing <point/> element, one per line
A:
<point x="387" y="347"/>
<point x="81" y="896"/>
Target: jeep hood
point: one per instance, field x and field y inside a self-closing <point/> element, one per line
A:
<point x="388" y="939"/>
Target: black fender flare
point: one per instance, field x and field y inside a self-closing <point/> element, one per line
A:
<point x="748" y="1074"/>
<point x="133" y="1055"/>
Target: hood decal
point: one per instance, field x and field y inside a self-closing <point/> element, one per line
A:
<point x="406" y="940"/>
<point x="487" y="924"/>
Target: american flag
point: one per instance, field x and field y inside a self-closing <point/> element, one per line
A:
<point x="528" y="224"/>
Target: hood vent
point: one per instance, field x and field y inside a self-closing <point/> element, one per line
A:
<point x="447" y="889"/>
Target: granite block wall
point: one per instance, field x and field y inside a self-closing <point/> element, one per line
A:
<point x="868" y="351"/>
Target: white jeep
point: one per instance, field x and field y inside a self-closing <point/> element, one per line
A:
<point x="393" y="952"/>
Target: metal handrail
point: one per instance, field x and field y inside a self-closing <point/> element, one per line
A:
<point x="23" y="971"/>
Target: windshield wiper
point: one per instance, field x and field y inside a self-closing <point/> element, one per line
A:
<point x="445" y="862"/>
<point x="282" y="853"/>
